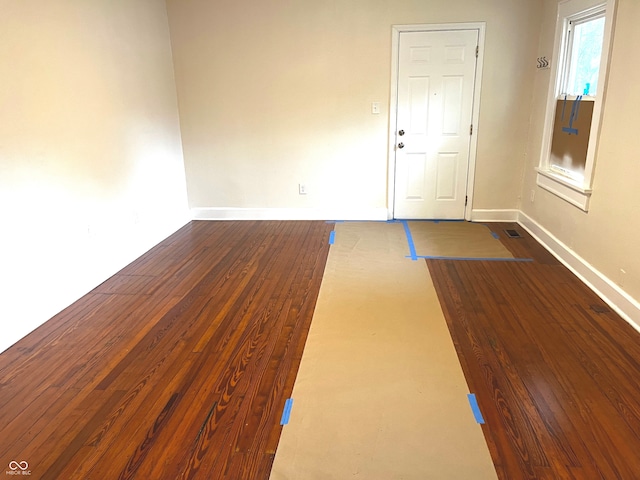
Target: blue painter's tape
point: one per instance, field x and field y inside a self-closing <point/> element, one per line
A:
<point x="474" y="408"/>
<point x="479" y="259"/>
<point x="574" y="116"/>
<point x="332" y="237"/>
<point x="412" y="247"/>
<point x="495" y="235"/>
<point x="286" y="413"/>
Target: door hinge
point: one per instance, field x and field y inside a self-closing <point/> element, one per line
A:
<point x="471" y="129"/>
<point x="477" y="50"/>
<point x="466" y="198"/>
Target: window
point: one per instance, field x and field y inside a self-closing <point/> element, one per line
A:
<point x="584" y="51"/>
<point x="584" y="34"/>
<point x="575" y="100"/>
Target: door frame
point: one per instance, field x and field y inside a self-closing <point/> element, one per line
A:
<point x="396" y="30"/>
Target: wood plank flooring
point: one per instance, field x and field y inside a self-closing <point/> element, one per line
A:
<point x="176" y="367"/>
<point x="179" y="365"/>
<point x="555" y="372"/>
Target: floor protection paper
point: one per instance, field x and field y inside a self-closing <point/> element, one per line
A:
<point x="456" y="239"/>
<point x="380" y="393"/>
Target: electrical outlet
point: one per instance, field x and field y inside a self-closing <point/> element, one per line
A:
<point x="302" y="189"/>
<point x="533" y="195"/>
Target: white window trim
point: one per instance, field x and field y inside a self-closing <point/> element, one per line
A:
<point x="574" y="192"/>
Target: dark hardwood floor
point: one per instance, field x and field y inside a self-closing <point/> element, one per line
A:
<point x="179" y="365"/>
<point x="555" y="372"/>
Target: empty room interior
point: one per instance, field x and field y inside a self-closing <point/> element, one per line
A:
<point x="376" y="239"/>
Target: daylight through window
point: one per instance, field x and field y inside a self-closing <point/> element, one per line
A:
<point x="584" y="49"/>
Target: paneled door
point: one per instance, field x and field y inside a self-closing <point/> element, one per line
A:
<point x="436" y="80"/>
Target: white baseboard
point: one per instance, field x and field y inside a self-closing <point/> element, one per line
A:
<point x="494" y="215"/>
<point x="619" y="300"/>
<point x="221" y="213"/>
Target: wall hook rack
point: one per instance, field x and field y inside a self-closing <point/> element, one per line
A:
<point x="542" y="62"/>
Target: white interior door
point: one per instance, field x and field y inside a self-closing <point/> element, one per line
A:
<point x="436" y="79"/>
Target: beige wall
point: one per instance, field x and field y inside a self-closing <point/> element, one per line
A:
<point x="274" y="93"/>
<point x="608" y="235"/>
<point x="91" y="170"/>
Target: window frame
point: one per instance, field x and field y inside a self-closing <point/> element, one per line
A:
<point x="580" y="18"/>
<point x="576" y="192"/>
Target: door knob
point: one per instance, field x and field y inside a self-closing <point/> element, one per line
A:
<point x="401" y="145"/>
<point x="401" y="132"/>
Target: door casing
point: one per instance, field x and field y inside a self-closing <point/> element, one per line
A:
<point x="393" y="104"/>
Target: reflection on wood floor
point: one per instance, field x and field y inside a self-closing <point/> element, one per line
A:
<point x="556" y="373"/>
<point x="179" y="365"/>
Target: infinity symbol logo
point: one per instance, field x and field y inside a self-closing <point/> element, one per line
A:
<point x="13" y="465"/>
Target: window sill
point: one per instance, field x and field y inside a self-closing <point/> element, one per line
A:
<point x="567" y="189"/>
